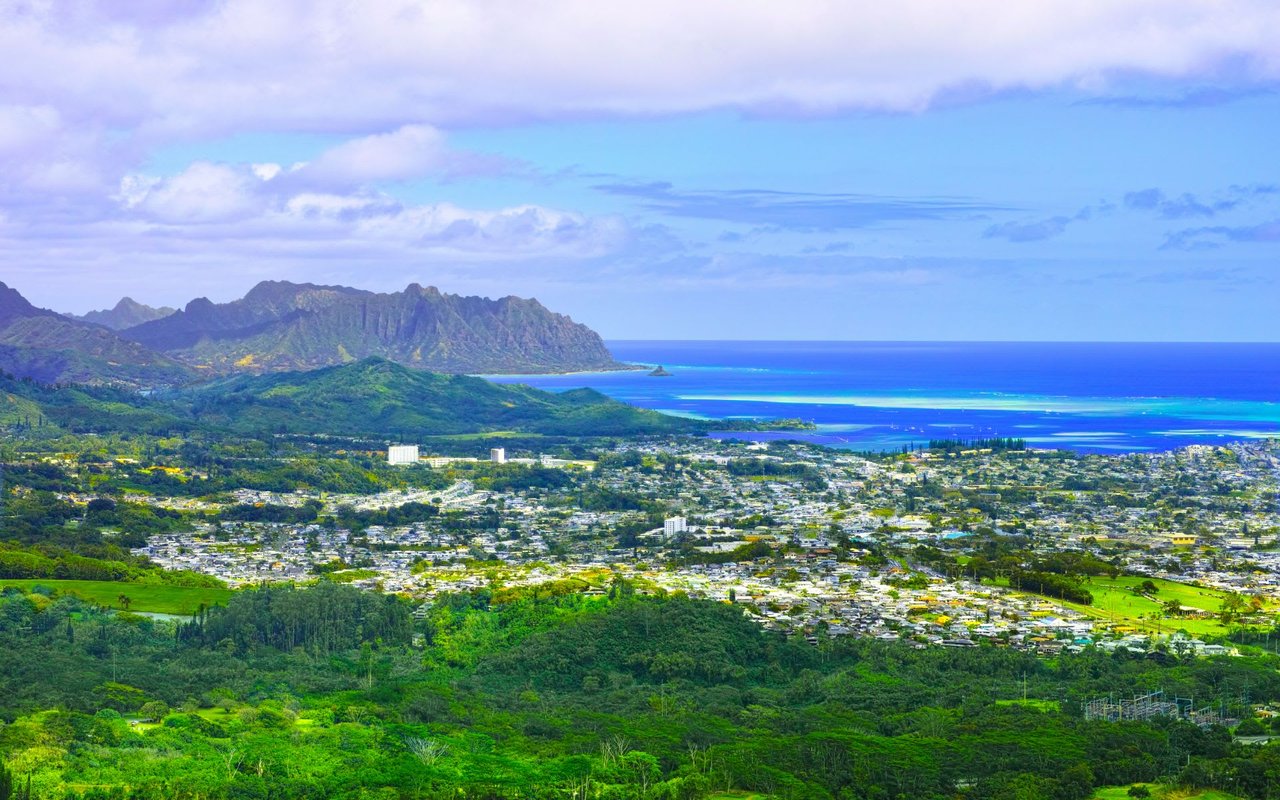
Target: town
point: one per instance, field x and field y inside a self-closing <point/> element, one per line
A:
<point x="810" y="541"/>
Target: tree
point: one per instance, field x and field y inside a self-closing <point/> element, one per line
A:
<point x="9" y="790"/>
<point x="125" y="601"/>
<point x="1139" y="791"/>
<point x="154" y="710"/>
<point x="640" y="769"/>
<point x="428" y="751"/>
<point x="1232" y="607"/>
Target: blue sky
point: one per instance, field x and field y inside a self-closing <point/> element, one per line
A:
<point x="809" y="170"/>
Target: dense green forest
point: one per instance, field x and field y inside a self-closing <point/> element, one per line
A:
<point x="330" y="692"/>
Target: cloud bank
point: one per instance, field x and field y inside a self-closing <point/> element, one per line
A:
<point x="331" y="65"/>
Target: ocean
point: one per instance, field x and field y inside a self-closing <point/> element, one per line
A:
<point x="1095" y="397"/>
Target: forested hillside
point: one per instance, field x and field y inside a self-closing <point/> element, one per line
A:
<point x="374" y="397"/>
<point x="330" y="692"/>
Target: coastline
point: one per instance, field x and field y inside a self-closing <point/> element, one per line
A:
<point x="1079" y="397"/>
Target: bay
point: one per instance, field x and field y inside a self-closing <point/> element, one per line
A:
<point x="1095" y="397"/>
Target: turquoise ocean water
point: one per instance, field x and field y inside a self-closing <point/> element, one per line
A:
<point x="883" y="395"/>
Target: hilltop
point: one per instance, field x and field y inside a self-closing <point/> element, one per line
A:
<point x="379" y="397"/>
<point x="373" y="397"/>
<point x="125" y="314"/>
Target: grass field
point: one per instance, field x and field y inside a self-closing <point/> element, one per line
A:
<point x="156" y="599"/>
<point x="1159" y="792"/>
<point x="1114" y="601"/>
<point x="1038" y="705"/>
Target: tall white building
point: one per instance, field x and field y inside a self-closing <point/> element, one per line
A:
<point x="402" y="454"/>
<point x="498" y="455"/>
<point x="673" y="525"/>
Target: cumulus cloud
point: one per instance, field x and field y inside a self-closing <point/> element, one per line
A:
<point x="25" y="127"/>
<point x="333" y="65"/>
<point x="42" y="158"/>
<point x="411" y="151"/>
<point x="203" y="192"/>
<point x="520" y="232"/>
<point x="231" y="203"/>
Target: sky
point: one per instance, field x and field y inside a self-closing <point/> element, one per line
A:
<point x="718" y="169"/>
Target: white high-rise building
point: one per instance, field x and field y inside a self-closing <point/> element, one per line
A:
<point x="498" y="455"/>
<point x="673" y="525"/>
<point x="402" y="454"/>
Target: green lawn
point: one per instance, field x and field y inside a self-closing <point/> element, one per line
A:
<point x="1038" y="705"/>
<point x="157" y="599"/>
<point x="1159" y="792"/>
<point x="1114" y="601"/>
<point x="471" y="437"/>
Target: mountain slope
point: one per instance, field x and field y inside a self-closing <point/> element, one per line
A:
<point x="39" y="344"/>
<point x="126" y="314"/>
<point x="380" y="397"/>
<point x="26" y="406"/>
<point x="287" y="326"/>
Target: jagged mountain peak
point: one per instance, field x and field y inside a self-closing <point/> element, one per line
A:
<point x="276" y="291"/>
<point x="281" y="325"/>
<point x="126" y="313"/>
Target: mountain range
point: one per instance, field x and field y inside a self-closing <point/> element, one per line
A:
<point x="290" y="326"/>
<point x="281" y="326"/>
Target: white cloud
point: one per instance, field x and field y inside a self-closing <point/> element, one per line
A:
<point x="230" y="204"/>
<point x="24" y="127"/>
<point x="524" y="230"/>
<point x="410" y="151"/>
<point x="42" y="157"/>
<point x="266" y="171"/>
<point x="203" y="192"/>
<point x="332" y="65"/>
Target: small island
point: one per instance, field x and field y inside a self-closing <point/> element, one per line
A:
<point x="763" y="424"/>
<point x="659" y="372"/>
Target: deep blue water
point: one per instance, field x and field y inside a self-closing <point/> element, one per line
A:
<point x="882" y="395"/>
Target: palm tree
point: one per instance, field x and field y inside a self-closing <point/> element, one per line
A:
<point x="125" y="601"/>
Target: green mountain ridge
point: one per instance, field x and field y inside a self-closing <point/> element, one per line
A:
<point x="378" y="396"/>
<point x="374" y="397"/>
<point x="280" y="326"/>
<point x="286" y="326"/>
